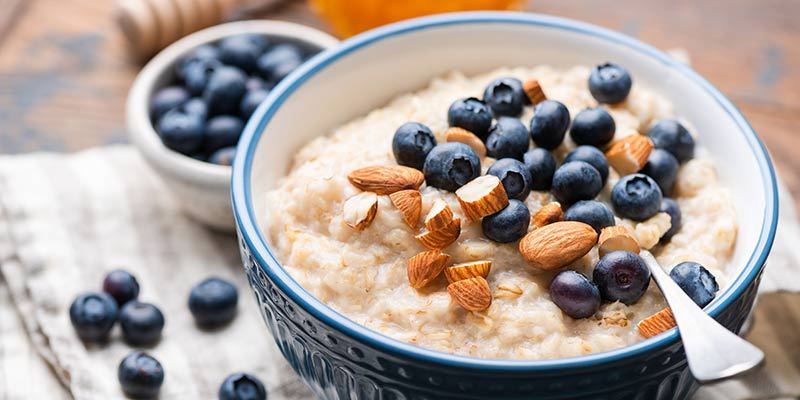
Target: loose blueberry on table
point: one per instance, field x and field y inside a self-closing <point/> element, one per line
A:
<point x="505" y="96"/>
<point x="411" y="144"/>
<point x="593" y="126"/>
<point x="636" y="197"/>
<point x="213" y="302"/>
<point x="610" y="83"/>
<point x="590" y="212"/>
<point x="575" y="295"/>
<point x="621" y="276"/>
<point x="549" y="124"/>
<point x="593" y="156"/>
<point x="470" y="114"/>
<point x="93" y="315"/>
<point x="140" y="375"/>
<point x="696" y="281"/>
<point x="121" y="285"/>
<point x="141" y="323"/>
<point x="514" y="175"/>
<point x="242" y="386"/>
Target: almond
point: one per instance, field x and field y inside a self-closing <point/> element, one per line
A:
<point x="358" y="211"/>
<point x="409" y="202"/>
<point x="617" y="237"/>
<point x="439" y="216"/>
<point x="629" y="154"/>
<point x="659" y="322"/>
<point x="441" y="238"/>
<point x="534" y="91"/>
<point x="548" y="214"/>
<point x="425" y="267"/>
<point x="467" y="270"/>
<point x="482" y="196"/>
<point x="558" y="244"/>
<point x="461" y="135"/>
<point x="473" y="294"/>
<point x="383" y="179"/>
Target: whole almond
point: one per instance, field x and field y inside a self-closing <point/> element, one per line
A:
<point x="659" y="322"/>
<point x="467" y="270"/>
<point x="439" y="216"/>
<point x="534" y="91"/>
<point x="557" y="245"/>
<point x="472" y="294"/>
<point x="482" y="196"/>
<point x="358" y="211"/>
<point x="629" y="154"/>
<point x="616" y="237"/>
<point x="461" y="135"/>
<point x="383" y="179"/>
<point x="425" y="267"/>
<point x="440" y="238"/>
<point x="548" y="214"/>
<point x="409" y="202"/>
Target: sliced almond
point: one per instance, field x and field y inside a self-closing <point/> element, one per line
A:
<point x="534" y="91"/>
<point x="409" y="202"/>
<point x="439" y="216"/>
<point x="548" y="214"/>
<point x="482" y="196"/>
<point x="473" y="294"/>
<point x="558" y="244"/>
<point x="659" y="322"/>
<point x="467" y="270"/>
<point x="383" y="179"/>
<point x="358" y="211"/>
<point x="425" y="267"/>
<point x="461" y="135"/>
<point x="629" y="154"/>
<point x="441" y="238"/>
<point x="617" y="237"/>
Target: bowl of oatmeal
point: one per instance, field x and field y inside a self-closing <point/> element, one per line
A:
<point x="404" y="242"/>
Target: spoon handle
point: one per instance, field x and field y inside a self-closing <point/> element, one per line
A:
<point x="713" y="352"/>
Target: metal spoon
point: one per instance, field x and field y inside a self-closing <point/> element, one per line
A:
<point x="713" y="352"/>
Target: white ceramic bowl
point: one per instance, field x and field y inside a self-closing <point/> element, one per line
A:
<point x="203" y="189"/>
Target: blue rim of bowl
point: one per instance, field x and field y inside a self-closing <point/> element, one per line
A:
<point x="246" y="221"/>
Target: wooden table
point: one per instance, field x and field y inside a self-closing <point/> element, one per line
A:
<point x="64" y="75"/>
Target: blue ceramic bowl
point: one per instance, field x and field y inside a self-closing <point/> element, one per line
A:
<point x="340" y="359"/>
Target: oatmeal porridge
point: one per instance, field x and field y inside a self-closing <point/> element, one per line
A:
<point x="352" y="248"/>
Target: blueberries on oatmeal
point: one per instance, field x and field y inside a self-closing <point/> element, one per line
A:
<point x="576" y="180"/>
<point x="471" y="114"/>
<point x="508" y="138"/>
<point x="451" y="165"/>
<point x="662" y="166"/>
<point x="590" y="212"/>
<point x="610" y="83"/>
<point x="593" y="126"/>
<point x="505" y="96"/>
<point x="672" y="136"/>
<point x="636" y="197"/>
<point x="549" y="124"/>
<point x="411" y="143"/>
<point x="541" y="165"/>
<point x="591" y="155"/>
<point x="575" y="295"/>
<point x="509" y="224"/>
<point x="621" y="276"/>
<point x="696" y="281"/>
<point x="515" y="177"/>
<point x="672" y="208"/>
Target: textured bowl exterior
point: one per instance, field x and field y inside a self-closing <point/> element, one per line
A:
<point x="337" y="367"/>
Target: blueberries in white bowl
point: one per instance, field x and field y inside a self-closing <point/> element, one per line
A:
<point x="590" y="212"/>
<point x="225" y="90"/>
<point x="470" y="114"/>
<point x="514" y="176"/>
<point x="251" y="100"/>
<point x="542" y="165"/>
<point x="451" y="165"/>
<point x="672" y="136"/>
<point x="241" y="51"/>
<point x="610" y="83"/>
<point x="575" y="295"/>
<point x="549" y="124"/>
<point x="411" y="144"/>
<point x="509" y="224"/>
<point x="223" y="156"/>
<point x="696" y="281"/>
<point x="508" y="138"/>
<point x="621" y="276"/>
<point x="166" y="99"/>
<point x="279" y="61"/>
<point x="505" y="96"/>
<point x="636" y="197"/>
<point x="181" y="131"/>
<point x="222" y="131"/>
<point x="593" y="156"/>
<point x="662" y="166"/>
<point x="593" y="126"/>
<point x="574" y="181"/>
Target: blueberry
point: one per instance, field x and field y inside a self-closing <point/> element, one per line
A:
<point x="223" y="156"/>
<point x="195" y="106"/>
<point x="254" y="83"/>
<point x="451" y="165"/>
<point x="610" y="83"/>
<point x="197" y="75"/>
<point x="509" y="224"/>
<point x="241" y="51"/>
<point x="541" y="165"/>
<point x="141" y="323"/>
<point x="472" y="115"/>
<point x="593" y="126"/>
<point x="93" y="315"/>
<point x="696" y="281"/>
<point x="411" y="144"/>
<point x="590" y="212"/>
<point x="593" y="156"/>
<point x="663" y="168"/>
<point x="167" y="99"/>
<point x="575" y="295"/>
<point x="507" y="138"/>
<point x="251" y="101"/>
<point x="621" y="276"/>
<point x="514" y="175"/>
<point x="181" y="132"/>
<point x="140" y="375"/>
<point x="203" y="54"/>
<point x="225" y="90"/>
<point x="242" y="386"/>
<point x="670" y="135"/>
<point x="549" y="124"/>
<point x="671" y="207"/>
<point x="575" y="181"/>
<point x="213" y="302"/>
<point x="121" y="285"/>
<point x="279" y="61"/>
<point x="636" y="197"/>
<point x="505" y="96"/>
<point x="222" y="131"/>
